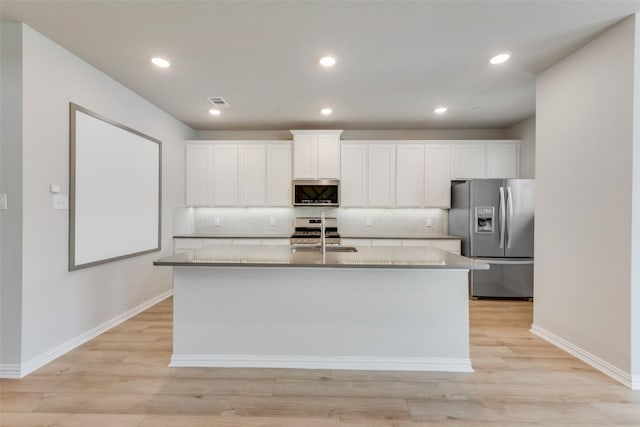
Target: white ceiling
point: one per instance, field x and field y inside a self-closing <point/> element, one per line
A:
<point x="397" y="60"/>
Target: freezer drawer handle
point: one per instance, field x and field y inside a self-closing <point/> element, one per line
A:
<point x="502" y="218"/>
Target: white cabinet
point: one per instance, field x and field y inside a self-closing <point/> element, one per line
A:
<point x="198" y="175"/>
<point x="329" y="156"/>
<point x="225" y="174"/>
<point x="382" y="175"/>
<point x="279" y="174"/>
<point x="228" y="173"/>
<point x="503" y="160"/>
<point x="365" y="243"/>
<point x="316" y="154"/>
<point x="386" y="242"/>
<point x="409" y="175"/>
<point x="469" y="161"/>
<point x="368" y="175"/>
<point x="353" y="185"/>
<point x="437" y="181"/>
<point x="401" y="174"/>
<point x="251" y="174"/>
<point x="186" y="244"/>
<point x="485" y="159"/>
<point x="183" y="244"/>
<point x="450" y="245"/>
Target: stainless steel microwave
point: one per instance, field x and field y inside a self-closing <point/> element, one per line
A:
<point x="320" y="192"/>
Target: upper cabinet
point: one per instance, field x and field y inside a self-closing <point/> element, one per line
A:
<point x="316" y="154"/>
<point x="409" y="175"/>
<point x="485" y="159"/>
<point x="368" y="175"/>
<point x="278" y="174"/>
<point x="375" y="174"/>
<point x="229" y="173"/>
<point x="198" y="176"/>
<point x="437" y="176"/>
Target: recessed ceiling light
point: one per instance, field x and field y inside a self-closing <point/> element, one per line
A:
<point x="327" y="61"/>
<point x="500" y="58"/>
<point x="326" y="111"/>
<point x="440" y="110"/>
<point x="160" y="62"/>
<point x="214" y="112"/>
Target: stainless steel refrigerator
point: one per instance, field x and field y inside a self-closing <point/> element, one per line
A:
<point x="495" y="219"/>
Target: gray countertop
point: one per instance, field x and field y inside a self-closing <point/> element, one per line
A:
<point x="343" y="236"/>
<point x="283" y="256"/>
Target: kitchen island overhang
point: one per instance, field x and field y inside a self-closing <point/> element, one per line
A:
<point x="384" y="308"/>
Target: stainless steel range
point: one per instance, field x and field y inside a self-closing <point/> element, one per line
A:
<point x="308" y="231"/>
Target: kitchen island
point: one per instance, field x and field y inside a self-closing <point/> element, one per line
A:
<point x="382" y="308"/>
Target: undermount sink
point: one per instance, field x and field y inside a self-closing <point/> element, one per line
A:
<point x="305" y="248"/>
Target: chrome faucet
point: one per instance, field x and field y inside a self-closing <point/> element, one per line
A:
<point x="323" y="241"/>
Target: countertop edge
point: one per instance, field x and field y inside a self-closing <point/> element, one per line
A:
<point x="347" y="236"/>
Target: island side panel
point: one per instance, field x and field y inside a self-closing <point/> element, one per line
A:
<point x="351" y="318"/>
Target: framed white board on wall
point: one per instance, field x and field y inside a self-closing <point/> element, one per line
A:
<point x="114" y="190"/>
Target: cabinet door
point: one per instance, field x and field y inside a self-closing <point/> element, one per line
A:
<point x="365" y="243"/>
<point x="502" y="160"/>
<point x="353" y="185"/>
<point x="447" y="245"/>
<point x="279" y="175"/>
<point x="245" y="242"/>
<point x="386" y="242"/>
<point x="416" y="242"/>
<point x="198" y="175"/>
<point x="469" y="161"/>
<point x="409" y="177"/>
<point x="328" y="147"/>
<point x="305" y="153"/>
<point x="225" y="174"/>
<point x="437" y="181"/>
<point x="252" y="174"/>
<point x="382" y="175"/>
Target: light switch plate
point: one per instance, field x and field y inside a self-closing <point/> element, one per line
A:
<point x="60" y="202"/>
<point x="429" y="223"/>
<point x="3" y="201"/>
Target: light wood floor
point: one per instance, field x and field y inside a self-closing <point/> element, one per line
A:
<point x="121" y="379"/>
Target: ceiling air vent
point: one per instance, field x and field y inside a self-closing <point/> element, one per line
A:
<point x="218" y="101"/>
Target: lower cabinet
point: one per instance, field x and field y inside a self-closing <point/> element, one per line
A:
<point x="184" y="244"/>
<point x="450" y="245"/>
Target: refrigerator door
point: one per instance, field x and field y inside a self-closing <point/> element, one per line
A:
<point x="487" y="218"/>
<point x="459" y="218"/>
<point x="506" y="278"/>
<point x="520" y="222"/>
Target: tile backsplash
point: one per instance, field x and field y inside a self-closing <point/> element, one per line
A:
<point x="280" y="221"/>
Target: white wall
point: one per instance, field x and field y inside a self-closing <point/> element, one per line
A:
<point x="584" y="173"/>
<point x="58" y="306"/>
<point x="10" y="184"/>
<point x="526" y="132"/>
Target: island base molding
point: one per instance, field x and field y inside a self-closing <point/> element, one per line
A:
<point x="338" y="362"/>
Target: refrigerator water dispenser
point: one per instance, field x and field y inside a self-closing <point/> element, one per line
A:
<point x="484" y="219"/>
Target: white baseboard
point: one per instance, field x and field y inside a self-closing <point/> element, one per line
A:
<point x="19" y="371"/>
<point x="324" y="362"/>
<point x="9" y="371"/>
<point x="633" y="382"/>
